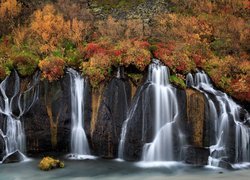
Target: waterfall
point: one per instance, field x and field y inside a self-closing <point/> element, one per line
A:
<point x="79" y="141"/>
<point x="166" y="110"/>
<point x="223" y="133"/>
<point x="14" y="131"/>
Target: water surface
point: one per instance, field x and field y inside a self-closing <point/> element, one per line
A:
<point x="111" y="169"/>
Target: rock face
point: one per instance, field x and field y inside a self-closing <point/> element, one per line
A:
<point x="196" y="155"/>
<point x="14" y="157"/>
<point x="2" y="147"/>
<point x="196" y="118"/>
<point x="47" y="124"/>
<point x="112" y="112"/>
<point x="140" y="125"/>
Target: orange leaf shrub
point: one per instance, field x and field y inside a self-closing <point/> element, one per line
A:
<point x="50" y="28"/>
<point x="133" y="52"/>
<point x="97" y="69"/>
<point x="52" y="68"/>
<point x="120" y="29"/>
<point x="9" y="9"/>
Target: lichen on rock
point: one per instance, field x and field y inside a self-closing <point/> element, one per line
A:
<point x="48" y="163"/>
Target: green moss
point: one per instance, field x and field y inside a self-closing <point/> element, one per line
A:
<point x="49" y="163"/>
<point x="57" y="53"/>
<point x="135" y="77"/>
<point x="177" y="81"/>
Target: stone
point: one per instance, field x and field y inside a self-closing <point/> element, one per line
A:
<point x="195" y="155"/>
<point x="15" y="157"/>
<point x="48" y="163"/>
<point x="225" y="165"/>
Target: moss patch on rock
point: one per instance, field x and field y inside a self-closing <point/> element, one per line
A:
<point x="48" y="163"/>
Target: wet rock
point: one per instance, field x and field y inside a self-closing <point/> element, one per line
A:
<point x="47" y="123"/>
<point x="195" y="155"/>
<point x="195" y="117"/>
<point x="225" y="165"/>
<point x="140" y="124"/>
<point x="49" y="163"/>
<point x="15" y="157"/>
<point x="2" y="147"/>
<point x="111" y="115"/>
<point x="87" y="110"/>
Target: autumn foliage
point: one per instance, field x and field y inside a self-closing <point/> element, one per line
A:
<point x="9" y="9"/>
<point x="50" y="28"/>
<point x="105" y="54"/>
<point x="211" y="35"/>
<point x="52" y="68"/>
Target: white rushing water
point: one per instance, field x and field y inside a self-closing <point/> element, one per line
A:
<point x="166" y="111"/>
<point x="79" y="141"/>
<point x="223" y="133"/>
<point x="14" y="131"/>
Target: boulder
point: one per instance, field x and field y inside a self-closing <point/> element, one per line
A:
<point x="49" y="163"/>
<point x="14" y="157"/>
<point x="225" y="165"/>
<point x="195" y="155"/>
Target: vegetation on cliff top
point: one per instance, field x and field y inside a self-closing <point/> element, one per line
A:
<point x="211" y="35"/>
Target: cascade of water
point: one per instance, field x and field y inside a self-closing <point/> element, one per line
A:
<point x="228" y="111"/>
<point x="79" y="141"/>
<point x="166" y="110"/>
<point x="124" y="128"/>
<point x="14" y="135"/>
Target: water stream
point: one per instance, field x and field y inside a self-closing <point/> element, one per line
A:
<point x="165" y="110"/>
<point x="13" y="133"/>
<point x="228" y="129"/>
<point x="79" y="141"/>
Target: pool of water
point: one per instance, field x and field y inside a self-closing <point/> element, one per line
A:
<point x="113" y="169"/>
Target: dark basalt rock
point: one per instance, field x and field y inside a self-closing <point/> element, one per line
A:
<point x="14" y="157"/>
<point x="195" y="155"/>
<point x="111" y="115"/>
<point x="87" y="111"/>
<point x="140" y="124"/>
<point x="47" y="124"/>
<point x="225" y="165"/>
<point x="2" y="148"/>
